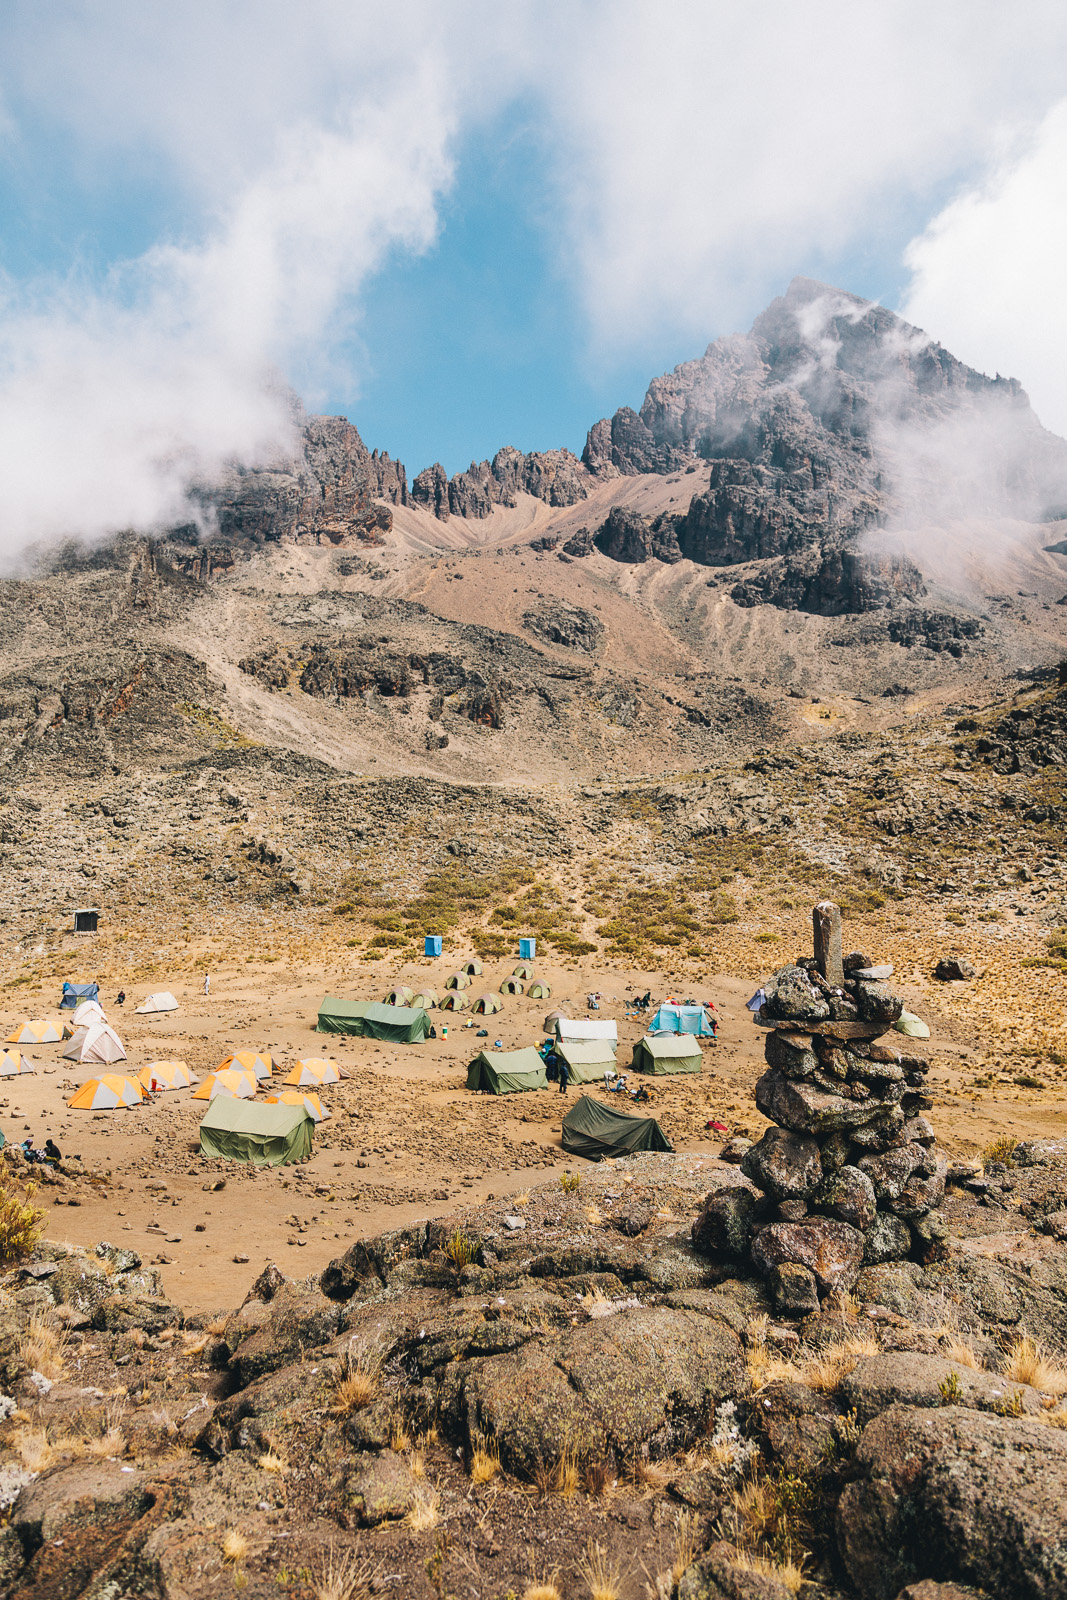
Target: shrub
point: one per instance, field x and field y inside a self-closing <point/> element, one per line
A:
<point x="570" y="1182"/>
<point x="21" y="1222"/>
<point x="460" y="1250"/>
<point x="1002" y="1148"/>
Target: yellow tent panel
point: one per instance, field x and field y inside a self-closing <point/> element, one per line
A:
<point x="107" y="1093"/>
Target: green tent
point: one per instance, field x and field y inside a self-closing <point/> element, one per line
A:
<point x="250" y="1130"/>
<point x="488" y="1005"/>
<point x="539" y="991"/>
<point x="369" y="1019"/>
<point x="511" y="986"/>
<point x="455" y="1000"/>
<point x="586" y="1059"/>
<point x="594" y="1131"/>
<point x="667" y="1052"/>
<point x="507" y="1071"/>
<point x="400" y="996"/>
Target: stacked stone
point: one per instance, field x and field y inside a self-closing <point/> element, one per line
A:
<point x="849" y="1175"/>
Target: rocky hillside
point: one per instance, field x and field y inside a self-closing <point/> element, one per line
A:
<point x="534" y="1391"/>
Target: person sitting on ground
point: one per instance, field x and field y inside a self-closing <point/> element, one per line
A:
<point x="120" y="998"/>
<point x="52" y="1150"/>
<point x="29" y="1153"/>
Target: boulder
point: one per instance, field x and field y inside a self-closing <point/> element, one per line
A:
<point x="795" y="1291"/>
<point x="785" y="1164"/>
<point x="799" y="1426"/>
<point x="378" y="1488"/>
<point x="791" y="1053"/>
<point x="889" y="1173"/>
<point x="849" y="1194"/>
<point x="295" y="1320"/>
<point x="720" y="1574"/>
<point x="832" y="1250"/>
<point x="954" y="969"/>
<point x="877" y="1003"/>
<point x="957" y="1495"/>
<point x="887" y="1239"/>
<point x="792" y="995"/>
<point x="911" y="1378"/>
<point x="724" y="1227"/>
<point x="805" y="1108"/>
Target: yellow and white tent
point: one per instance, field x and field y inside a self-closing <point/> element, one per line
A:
<point x="312" y="1071"/>
<point x="160" y="1076"/>
<point x="164" y="1001"/>
<point x="12" y="1062"/>
<point x="239" y="1085"/>
<point x="293" y="1097"/>
<point x="41" y="1031"/>
<point x="107" y="1093"/>
<point x="97" y="1042"/>
<point x="260" y="1063"/>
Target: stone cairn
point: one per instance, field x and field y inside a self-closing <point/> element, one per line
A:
<point x="849" y="1176"/>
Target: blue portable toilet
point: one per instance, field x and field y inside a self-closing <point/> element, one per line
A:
<point x="527" y="949"/>
<point x="434" y="944"/>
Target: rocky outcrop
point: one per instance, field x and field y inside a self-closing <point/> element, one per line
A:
<point x="626" y="535"/>
<point x="554" y="476"/>
<point x="326" y="493"/>
<point x="570" y="626"/>
<point x="831" y="584"/>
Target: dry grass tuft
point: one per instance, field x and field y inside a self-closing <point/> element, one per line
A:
<point x="765" y="1368"/>
<point x="594" y="1216"/>
<point x="960" y="1351"/>
<point x="195" y="1344"/>
<point x="112" y="1440"/>
<point x="597" y="1478"/>
<point x="1028" y="1362"/>
<point x="485" y="1459"/>
<point x="685" y="1545"/>
<point x="272" y="1463"/>
<point x="216" y="1326"/>
<point x="522" y="1198"/>
<point x="1055" y="1417"/>
<point x="790" y="1573"/>
<point x="344" y="1576"/>
<point x="417" y="1464"/>
<point x="400" y="1434"/>
<point x="34" y="1449"/>
<point x="425" y="1510"/>
<point x="355" y="1383"/>
<point x="603" y="1580"/>
<point x="234" y="1546"/>
<point x="542" y="1589"/>
<point x="649" y="1475"/>
<point x="42" y="1346"/>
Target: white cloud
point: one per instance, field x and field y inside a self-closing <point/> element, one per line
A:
<point x="987" y="273"/>
<point x="113" y="397"/>
<point x="707" y="151"/>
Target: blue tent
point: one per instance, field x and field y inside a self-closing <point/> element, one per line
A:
<point x="682" y="1019"/>
<point x="75" y="993"/>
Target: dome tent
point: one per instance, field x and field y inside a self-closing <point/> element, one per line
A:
<point x="523" y="970"/>
<point x="511" y="986"/>
<point x="400" y="996"/>
<point x="108" y="1093"/>
<point x="473" y="967"/>
<point x="260" y="1063"/>
<point x="160" y="1076"/>
<point x="457" y="980"/>
<point x="164" y="1001"/>
<point x="539" y="991"/>
<point x="13" y="1063"/>
<point x="40" y="1031"/>
<point x="426" y="999"/>
<point x="295" y="1097"/>
<point x="97" y="1042"/>
<point x="236" y="1085"/>
<point x="455" y="1000"/>
<point x="488" y="1004"/>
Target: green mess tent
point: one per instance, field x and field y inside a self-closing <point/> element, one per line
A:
<point x="667" y="1052"/>
<point x="370" y="1019"/>
<point x="594" y="1131"/>
<point x="249" y="1130"/>
<point x="507" y="1071"/>
<point x="586" y="1059"/>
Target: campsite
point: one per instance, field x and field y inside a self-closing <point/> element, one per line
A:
<point x="411" y="1127"/>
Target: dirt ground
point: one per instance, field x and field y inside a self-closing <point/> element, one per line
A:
<point x="405" y="1139"/>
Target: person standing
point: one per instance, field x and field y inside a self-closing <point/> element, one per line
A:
<point x="563" y="1070"/>
<point x="207" y="983"/>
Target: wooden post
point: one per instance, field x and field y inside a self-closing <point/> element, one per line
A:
<point x="826" y="920"/>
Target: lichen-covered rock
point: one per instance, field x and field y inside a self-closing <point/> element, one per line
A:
<point x="792" y="994"/>
<point x="887" y="1239"/>
<point x="831" y="1250"/>
<point x="724" y="1227"/>
<point x="806" y="1108"/>
<point x="877" y="1003"/>
<point x="785" y="1164"/>
<point x="791" y="1053"/>
<point x="295" y="1320"/>
<point x="849" y="1194"/>
<point x="957" y="1495"/>
<point x="793" y="1289"/>
<point x="912" y="1378"/>
<point x="378" y="1488"/>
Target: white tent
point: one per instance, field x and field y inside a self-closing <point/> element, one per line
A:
<point x="158" y="1002"/>
<point x="98" y="1042"/>
<point x="88" y="1012"/>
<point x="582" y="1029"/>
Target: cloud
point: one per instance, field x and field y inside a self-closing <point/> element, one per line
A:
<point x="705" y="153"/>
<point x="987" y="272"/>
<point x="115" y="396"/>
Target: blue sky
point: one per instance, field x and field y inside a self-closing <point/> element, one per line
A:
<point x="466" y="226"/>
